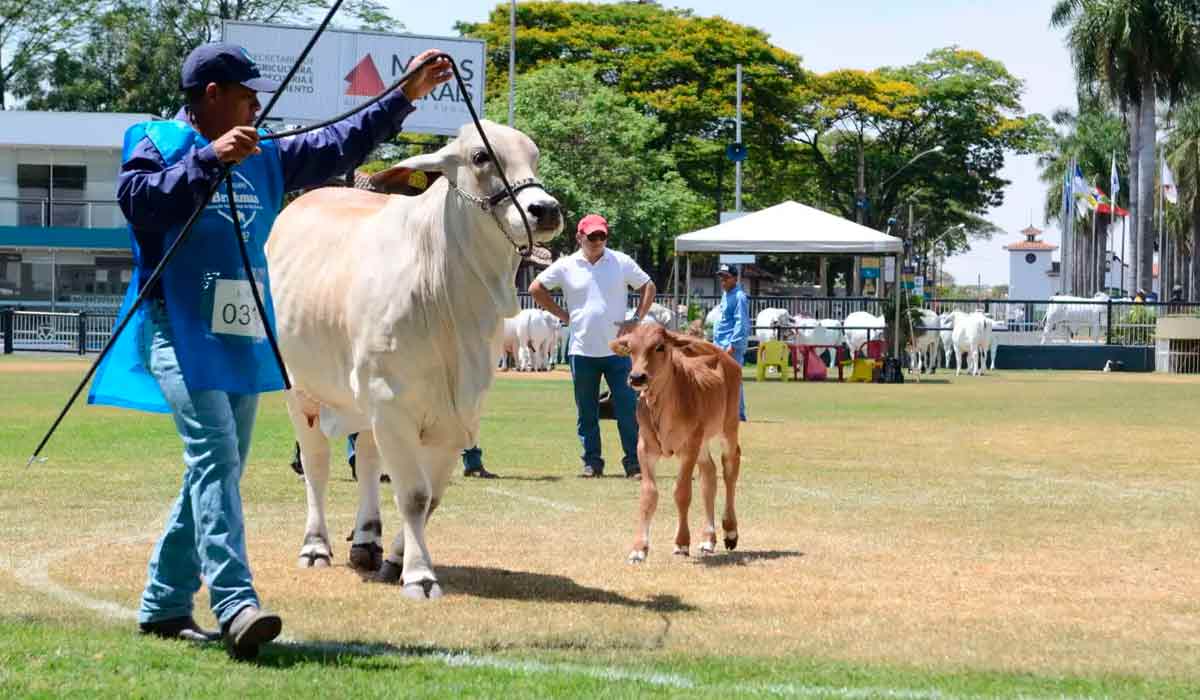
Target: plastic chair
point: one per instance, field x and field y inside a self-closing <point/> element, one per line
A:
<point x="862" y="369"/>
<point x="772" y="353"/>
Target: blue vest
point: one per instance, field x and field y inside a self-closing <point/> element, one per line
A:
<point x="218" y="339"/>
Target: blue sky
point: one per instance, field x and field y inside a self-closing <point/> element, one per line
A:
<point x="872" y="33"/>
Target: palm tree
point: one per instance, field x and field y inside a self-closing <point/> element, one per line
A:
<point x="1089" y="138"/>
<point x="1183" y="156"/>
<point x="1134" y="52"/>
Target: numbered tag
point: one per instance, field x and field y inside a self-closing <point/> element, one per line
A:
<point x="234" y="312"/>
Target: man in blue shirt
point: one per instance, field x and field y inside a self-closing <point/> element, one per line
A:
<point x="733" y="326"/>
<point x="197" y="349"/>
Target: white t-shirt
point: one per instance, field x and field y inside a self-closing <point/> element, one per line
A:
<point x="596" y="296"/>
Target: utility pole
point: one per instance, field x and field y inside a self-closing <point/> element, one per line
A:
<point x="737" y="197"/>
<point x="860" y="194"/>
<point x="512" y="62"/>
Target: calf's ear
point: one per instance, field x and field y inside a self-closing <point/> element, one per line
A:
<point x="444" y="160"/>
<point x="620" y="346"/>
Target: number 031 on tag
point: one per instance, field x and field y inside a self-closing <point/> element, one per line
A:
<point x="234" y="312"/>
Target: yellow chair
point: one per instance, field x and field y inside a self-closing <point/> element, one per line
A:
<point x="862" y="369"/>
<point x="772" y="353"/>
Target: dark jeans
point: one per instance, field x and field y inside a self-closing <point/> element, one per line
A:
<point x="586" y="373"/>
<point x="472" y="458"/>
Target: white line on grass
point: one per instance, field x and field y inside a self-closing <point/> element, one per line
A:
<point x="35" y="574"/>
<point x="564" y="507"/>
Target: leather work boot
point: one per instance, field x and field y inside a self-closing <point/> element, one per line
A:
<point x="184" y="628"/>
<point x="249" y="629"/>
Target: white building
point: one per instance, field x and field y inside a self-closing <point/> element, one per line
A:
<point x="1032" y="274"/>
<point x="61" y="231"/>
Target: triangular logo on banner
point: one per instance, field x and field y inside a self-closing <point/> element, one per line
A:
<point x="364" y="79"/>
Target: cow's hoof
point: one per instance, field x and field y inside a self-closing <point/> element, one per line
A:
<point x="388" y="573"/>
<point x="681" y="551"/>
<point x="707" y="548"/>
<point x="731" y="541"/>
<point x="313" y="560"/>
<point x="367" y="557"/>
<point x="637" y="556"/>
<point x="423" y="590"/>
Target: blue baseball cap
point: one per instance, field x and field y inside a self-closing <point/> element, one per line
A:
<point x="219" y="62"/>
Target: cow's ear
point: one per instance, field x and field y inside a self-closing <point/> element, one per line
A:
<point x="444" y="160"/>
<point x="620" y="346"/>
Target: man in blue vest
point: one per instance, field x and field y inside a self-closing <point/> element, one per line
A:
<point x="197" y="348"/>
<point x="733" y="326"/>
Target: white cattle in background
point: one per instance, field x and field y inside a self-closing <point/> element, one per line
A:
<point x="924" y="344"/>
<point x="710" y="321"/>
<point x="967" y="337"/>
<point x="656" y="314"/>
<point x="562" y="343"/>
<point x="859" y="327"/>
<point x="825" y="331"/>
<point x="508" y="344"/>
<point x="1070" y="314"/>
<point x="991" y="340"/>
<point x="772" y="324"/>
<point x="946" y="336"/>
<point x="537" y="331"/>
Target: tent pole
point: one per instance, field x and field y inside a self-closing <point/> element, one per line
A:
<point x="675" y="290"/>
<point x="687" y="292"/>
<point x="896" y="335"/>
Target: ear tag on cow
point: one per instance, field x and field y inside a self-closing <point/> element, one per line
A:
<point x="418" y="179"/>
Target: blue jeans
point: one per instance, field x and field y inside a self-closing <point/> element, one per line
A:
<point x="739" y="354"/>
<point x="586" y="373"/>
<point x="204" y="535"/>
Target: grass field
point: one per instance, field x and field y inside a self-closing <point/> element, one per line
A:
<point x="1015" y="535"/>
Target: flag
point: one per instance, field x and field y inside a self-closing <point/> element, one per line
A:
<point x="1082" y="193"/>
<point x="1114" y="180"/>
<point x="1098" y="196"/>
<point x="1168" y="185"/>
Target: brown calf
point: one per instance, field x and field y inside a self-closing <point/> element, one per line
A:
<point x="688" y="395"/>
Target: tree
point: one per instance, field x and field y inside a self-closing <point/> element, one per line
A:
<point x="1091" y="138"/>
<point x="133" y="51"/>
<point x="31" y="31"/>
<point x="1183" y="157"/>
<point x="596" y="157"/>
<point x="1135" y="52"/>
<point x="677" y="67"/>
<point x="886" y="125"/>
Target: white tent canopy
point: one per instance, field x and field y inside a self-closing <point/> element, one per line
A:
<point x="789" y="227"/>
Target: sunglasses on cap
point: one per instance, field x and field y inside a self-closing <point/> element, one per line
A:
<point x="596" y="236"/>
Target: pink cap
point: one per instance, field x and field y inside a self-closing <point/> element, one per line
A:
<point x="592" y="223"/>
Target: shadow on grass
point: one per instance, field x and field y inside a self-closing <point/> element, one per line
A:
<point x="503" y="584"/>
<point x="330" y="653"/>
<point x="542" y="478"/>
<point x="745" y="557"/>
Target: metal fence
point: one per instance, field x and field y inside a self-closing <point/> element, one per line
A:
<point x="45" y="331"/>
<point x="1017" y="322"/>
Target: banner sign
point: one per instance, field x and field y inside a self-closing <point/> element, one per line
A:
<point x="346" y="68"/>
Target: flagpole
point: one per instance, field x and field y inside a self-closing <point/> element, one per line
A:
<point x="1124" y="276"/>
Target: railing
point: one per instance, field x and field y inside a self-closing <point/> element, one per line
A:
<point x="1018" y="322"/>
<point x="75" y="213"/>
<point x="54" y="332"/>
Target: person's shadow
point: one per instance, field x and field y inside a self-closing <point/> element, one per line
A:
<point x="330" y="653"/>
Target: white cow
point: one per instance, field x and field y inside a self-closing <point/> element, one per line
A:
<point x="508" y="345"/>
<point x="769" y="323"/>
<point x="390" y="315"/>
<point x="861" y="326"/>
<point x="537" y="331"/>
<point x="656" y="314"/>
<point x="826" y="331"/>
<point x="924" y="343"/>
<point x="967" y="337"/>
<point x="1074" y="313"/>
<point x="991" y="341"/>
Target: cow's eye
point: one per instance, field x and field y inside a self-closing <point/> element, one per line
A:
<point x="480" y="158"/>
<point x="659" y="348"/>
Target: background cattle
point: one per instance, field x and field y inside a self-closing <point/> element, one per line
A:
<point x="772" y="324"/>
<point x="537" y="336"/>
<point x="1069" y="315"/>
<point x="859" y="327"/>
<point x="924" y="343"/>
<point x="508" y="345"/>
